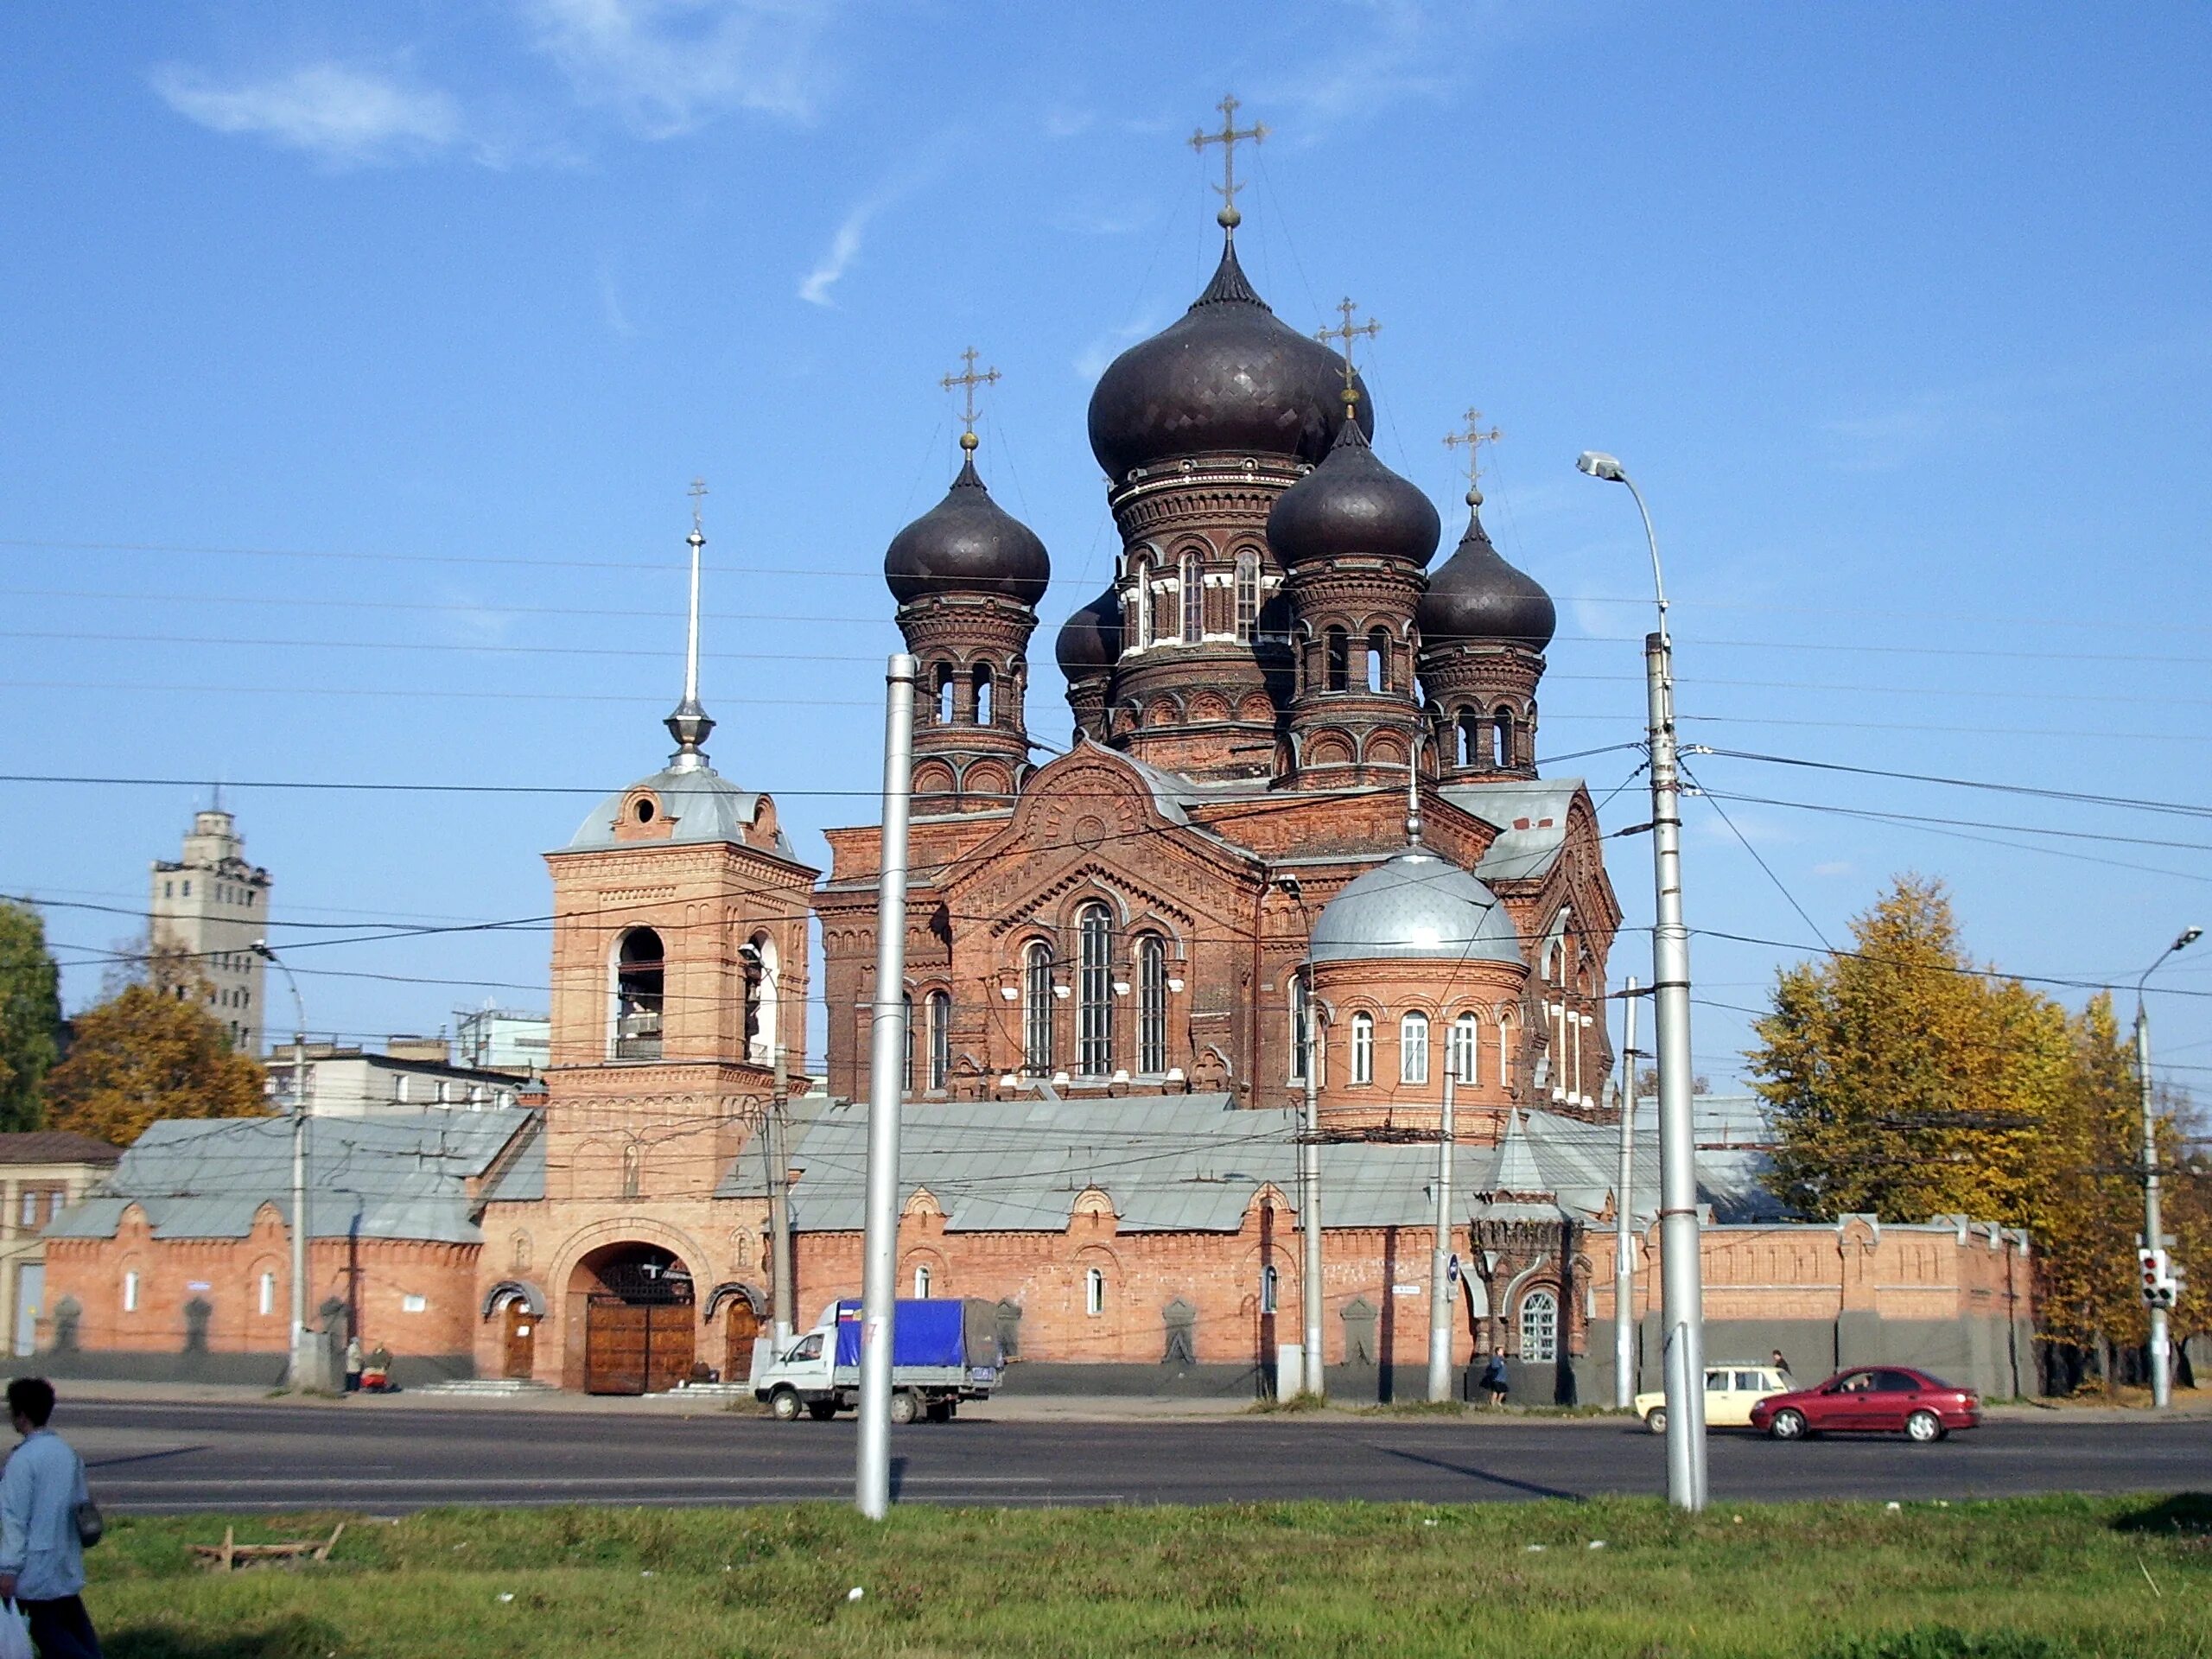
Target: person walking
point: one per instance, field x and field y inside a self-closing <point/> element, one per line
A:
<point x="1494" y="1379"/>
<point x="1780" y="1362"/>
<point x="354" y="1364"/>
<point x="41" y="1553"/>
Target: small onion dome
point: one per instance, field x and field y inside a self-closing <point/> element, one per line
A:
<point x="1416" y="905"/>
<point x="967" y="543"/>
<point x="1091" y="640"/>
<point x="1477" y="596"/>
<point x="1352" y="504"/>
<point x="1229" y="376"/>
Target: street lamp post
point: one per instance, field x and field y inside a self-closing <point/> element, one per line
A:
<point x="2162" y="1386"/>
<point x="1681" y="1275"/>
<point x="301" y="1375"/>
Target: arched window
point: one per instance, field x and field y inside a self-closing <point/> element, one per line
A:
<point x="941" y="691"/>
<point x="1194" y="599"/>
<point x="1270" y="1288"/>
<point x="983" y="688"/>
<point x="1466" y="1049"/>
<point x="761" y="997"/>
<point x="1248" y="596"/>
<point x="1412" y="1048"/>
<point x="1505" y="1051"/>
<point x="940" y="1034"/>
<point x="1094" y="1291"/>
<point x="1152" y="1004"/>
<point x="1037" y="1008"/>
<point x="1095" y="991"/>
<point x="631" y="1175"/>
<point x="921" y="1283"/>
<point x="1335" y="659"/>
<point x="1301" y="1035"/>
<point x="640" y="977"/>
<point x="1139" y="622"/>
<point x="1362" y="1047"/>
<point x="1470" y="734"/>
<point x="1539" y="1327"/>
<point x="906" y="1060"/>
<point x="1379" y="660"/>
<point x="1504" y="725"/>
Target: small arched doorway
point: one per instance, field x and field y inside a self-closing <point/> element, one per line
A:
<point x="519" y="1342"/>
<point x="640" y="1328"/>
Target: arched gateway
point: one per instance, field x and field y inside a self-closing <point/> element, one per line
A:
<point x="639" y="1324"/>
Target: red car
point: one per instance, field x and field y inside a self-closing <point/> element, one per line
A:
<point x="1873" y="1399"/>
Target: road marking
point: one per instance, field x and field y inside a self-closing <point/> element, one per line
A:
<point x="497" y="1483"/>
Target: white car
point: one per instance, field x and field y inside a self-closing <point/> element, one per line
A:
<point x="1730" y="1391"/>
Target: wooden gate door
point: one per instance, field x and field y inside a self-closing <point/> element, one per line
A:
<point x="744" y="1327"/>
<point x="616" y="1345"/>
<point x="671" y="1333"/>
<point x="522" y="1342"/>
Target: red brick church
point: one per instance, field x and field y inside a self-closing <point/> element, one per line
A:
<point x="1300" y="814"/>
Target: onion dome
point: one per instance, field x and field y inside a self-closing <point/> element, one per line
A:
<point x="1419" y="905"/>
<point x="967" y="543"/>
<point x="1477" y="596"/>
<point x="1228" y="376"/>
<point x="1352" y="504"/>
<point x="1091" y="640"/>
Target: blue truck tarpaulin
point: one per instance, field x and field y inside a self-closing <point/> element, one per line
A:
<point x="922" y="1334"/>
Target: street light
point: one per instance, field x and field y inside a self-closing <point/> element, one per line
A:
<point x="2162" y="1387"/>
<point x="1681" y="1278"/>
<point x="301" y="1374"/>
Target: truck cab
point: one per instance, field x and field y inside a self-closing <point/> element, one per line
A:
<point x="942" y="1352"/>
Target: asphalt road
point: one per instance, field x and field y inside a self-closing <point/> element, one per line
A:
<point x="163" y="1458"/>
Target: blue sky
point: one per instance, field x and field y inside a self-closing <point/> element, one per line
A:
<point x="357" y="359"/>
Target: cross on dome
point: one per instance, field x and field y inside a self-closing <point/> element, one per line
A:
<point x="1348" y="330"/>
<point x="968" y="381"/>
<point x="1229" y="137"/>
<point x="1472" y="436"/>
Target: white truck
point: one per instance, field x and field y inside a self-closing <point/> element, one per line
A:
<point x="942" y="1353"/>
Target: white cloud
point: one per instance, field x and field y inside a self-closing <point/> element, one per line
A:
<point x="1836" y="866"/>
<point x="844" y="247"/>
<point x="1382" y="52"/>
<point x="610" y="307"/>
<point x="334" y="111"/>
<point x="668" y="66"/>
<point x="1090" y="362"/>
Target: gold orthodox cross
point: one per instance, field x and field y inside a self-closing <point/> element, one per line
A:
<point x="1348" y="330"/>
<point x="968" y="381"/>
<point x="1229" y="137"/>
<point x="1474" y="437"/>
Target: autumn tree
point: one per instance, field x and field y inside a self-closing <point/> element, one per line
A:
<point x="1905" y="1080"/>
<point x="145" y="1054"/>
<point x="30" y="1016"/>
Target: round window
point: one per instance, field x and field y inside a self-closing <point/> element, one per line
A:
<point x="645" y="811"/>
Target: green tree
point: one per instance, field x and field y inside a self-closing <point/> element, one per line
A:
<point x="30" y="1016"/>
<point x="1906" y="1080"/>
<point x="145" y="1054"/>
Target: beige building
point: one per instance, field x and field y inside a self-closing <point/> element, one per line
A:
<point x="412" y="1073"/>
<point x="214" y="905"/>
<point x="41" y="1174"/>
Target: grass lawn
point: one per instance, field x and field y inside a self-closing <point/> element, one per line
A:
<point x="2041" y="1579"/>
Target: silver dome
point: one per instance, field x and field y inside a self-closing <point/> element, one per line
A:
<point x="1416" y="905"/>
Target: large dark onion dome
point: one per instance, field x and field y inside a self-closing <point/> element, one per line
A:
<point x="1091" y="640"/>
<point x="1229" y="376"/>
<point x="1352" y="504"/>
<point x="967" y="543"/>
<point x="1477" y="595"/>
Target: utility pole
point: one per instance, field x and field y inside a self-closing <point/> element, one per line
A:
<point x="782" y="1292"/>
<point x="1623" y="1228"/>
<point x="2159" y="1296"/>
<point x="885" y="1081"/>
<point x="1439" y="1264"/>
<point x="1309" y="1219"/>
<point x="1681" y="1273"/>
<point x="301" y="1374"/>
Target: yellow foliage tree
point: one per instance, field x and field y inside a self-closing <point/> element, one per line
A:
<point x="143" y="1055"/>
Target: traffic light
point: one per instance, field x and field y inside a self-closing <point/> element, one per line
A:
<point x="2161" y="1286"/>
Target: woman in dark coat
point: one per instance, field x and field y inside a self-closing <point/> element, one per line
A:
<point x="1494" y="1379"/>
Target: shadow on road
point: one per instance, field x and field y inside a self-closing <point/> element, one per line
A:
<point x="144" y="1456"/>
<point x="1529" y="1487"/>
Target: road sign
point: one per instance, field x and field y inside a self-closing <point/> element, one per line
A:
<point x="1452" y="1269"/>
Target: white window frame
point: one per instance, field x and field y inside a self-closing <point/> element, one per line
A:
<point x="1539" y="1327"/>
<point x="1270" y="1288"/>
<point x="1037" y="1008"/>
<point x="1247" y="612"/>
<point x="939" y="1010"/>
<point x="1094" y="1292"/>
<point x="921" y="1281"/>
<point x="1412" y="1048"/>
<point x="266" y="1297"/>
<point x="131" y="1290"/>
<point x="1362" y="1049"/>
<point x="1466" y="1043"/>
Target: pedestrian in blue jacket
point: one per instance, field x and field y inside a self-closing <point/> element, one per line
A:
<point x="41" y="1556"/>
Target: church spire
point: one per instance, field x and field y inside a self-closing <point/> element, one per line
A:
<point x="688" y="725"/>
